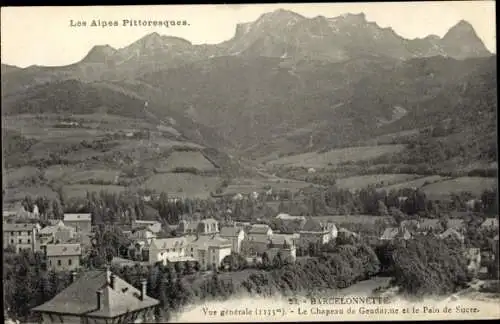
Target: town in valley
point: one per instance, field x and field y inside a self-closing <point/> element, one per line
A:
<point x="305" y="157"/>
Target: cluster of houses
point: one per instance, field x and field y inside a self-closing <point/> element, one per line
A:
<point x="61" y="241"/>
<point x="208" y="242"/>
<point x="101" y="296"/>
<point x="453" y="229"/>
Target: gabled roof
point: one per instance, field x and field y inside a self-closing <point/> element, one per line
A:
<point x="53" y="222"/>
<point x="258" y="229"/>
<point x="145" y="222"/>
<point x="452" y="232"/>
<point x="230" y="231"/>
<point x="63" y="249"/>
<point x="47" y="230"/>
<point x="290" y="217"/>
<point x="80" y="298"/>
<point x="313" y="225"/>
<point x="77" y="217"/>
<point x="490" y="222"/>
<point x="203" y="242"/>
<point x="394" y="232"/>
<point x="12" y="227"/>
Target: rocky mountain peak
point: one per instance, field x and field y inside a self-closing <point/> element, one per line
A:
<point x="100" y="53"/>
<point x="461" y="29"/>
<point x="462" y="41"/>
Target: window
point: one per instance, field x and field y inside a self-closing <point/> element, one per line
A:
<point x="29" y="241"/>
<point x="20" y="241"/>
<point x="69" y="261"/>
<point x="11" y="241"/>
<point x="50" y="262"/>
<point x="58" y="262"/>
<point x="12" y="233"/>
<point x="191" y="249"/>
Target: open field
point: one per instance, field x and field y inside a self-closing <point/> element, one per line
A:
<point x="18" y="193"/>
<point x="183" y="184"/>
<point x="391" y="137"/>
<point x="351" y="219"/>
<point x="80" y="190"/>
<point x="160" y="143"/>
<point x="194" y="160"/>
<point x="417" y="183"/>
<point x="73" y="174"/>
<point x="245" y="186"/>
<point x="335" y="157"/>
<point x="13" y="177"/>
<point x="363" y="181"/>
<point x="59" y="172"/>
<point x="474" y="185"/>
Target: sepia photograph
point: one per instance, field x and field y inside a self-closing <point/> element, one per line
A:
<point x="250" y="162"/>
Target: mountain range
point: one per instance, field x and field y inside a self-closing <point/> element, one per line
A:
<point x="283" y="84"/>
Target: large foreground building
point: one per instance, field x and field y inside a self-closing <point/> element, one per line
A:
<point x="99" y="297"/>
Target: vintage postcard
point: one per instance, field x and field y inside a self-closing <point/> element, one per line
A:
<point x="242" y="163"/>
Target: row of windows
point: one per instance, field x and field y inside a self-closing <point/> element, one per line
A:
<point x="20" y="241"/>
<point x="59" y="262"/>
<point x="181" y="250"/>
<point x="19" y="233"/>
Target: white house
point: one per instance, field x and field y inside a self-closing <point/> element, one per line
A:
<point x="56" y="233"/>
<point x="238" y="196"/>
<point x="209" y="250"/>
<point x="81" y="222"/>
<point x="22" y="236"/>
<point x="317" y="232"/>
<point x="234" y="234"/>
<point x="142" y="234"/>
<point x="152" y="226"/>
<point x="260" y="232"/>
<point x="63" y="257"/>
<point x="170" y="249"/>
<point x="208" y="226"/>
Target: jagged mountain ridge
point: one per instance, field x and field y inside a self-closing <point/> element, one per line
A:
<point x="280" y="34"/>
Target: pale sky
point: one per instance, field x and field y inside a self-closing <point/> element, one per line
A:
<point x="43" y="36"/>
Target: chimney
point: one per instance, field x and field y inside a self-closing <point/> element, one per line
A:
<point x="99" y="294"/>
<point x="144" y="284"/>
<point x="112" y="281"/>
<point x="73" y="276"/>
<point x="108" y="275"/>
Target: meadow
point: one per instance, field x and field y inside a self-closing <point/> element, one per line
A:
<point x="80" y="190"/>
<point x="246" y="186"/>
<point x="183" y="184"/>
<point x="359" y="182"/>
<point x="190" y="159"/>
<point x="351" y="219"/>
<point x="15" y="177"/>
<point x="417" y="183"/>
<point x="20" y="192"/>
<point x="337" y="156"/>
<point x="474" y="185"/>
